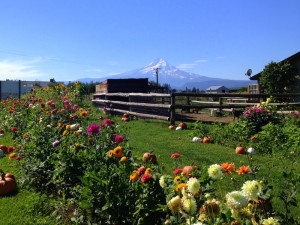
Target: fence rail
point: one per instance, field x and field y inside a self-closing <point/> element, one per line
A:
<point x="154" y="105"/>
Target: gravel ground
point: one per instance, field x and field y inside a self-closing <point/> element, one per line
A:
<point x="205" y="117"/>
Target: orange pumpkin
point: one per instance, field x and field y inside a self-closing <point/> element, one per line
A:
<point x="125" y="115"/>
<point x="240" y="150"/>
<point x="172" y="127"/>
<point x="187" y="170"/>
<point x="206" y="140"/>
<point x="8" y="183"/>
<point x="182" y="125"/>
<point x="149" y="157"/>
<point x="125" y="119"/>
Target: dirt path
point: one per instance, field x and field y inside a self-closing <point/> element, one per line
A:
<point x="205" y="117"/>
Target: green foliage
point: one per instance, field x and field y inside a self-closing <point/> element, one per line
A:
<point x="279" y="77"/>
<point x="287" y="192"/>
<point x="233" y="134"/>
<point x="69" y="154"/>
<point x="260" y="115"/>
<point x="200" y="129"/>
<point x="270" y="140"/>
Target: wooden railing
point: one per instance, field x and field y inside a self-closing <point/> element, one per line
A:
<point x="136" y="104"/>
<point x="164" y="106"/>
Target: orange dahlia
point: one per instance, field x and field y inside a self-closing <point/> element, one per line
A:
<point x="243" y="170"/>
<point x="117" y="152"/>
<point x="180" y="186"/>
<point x="228" y="167"/>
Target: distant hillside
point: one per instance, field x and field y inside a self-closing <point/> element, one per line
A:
<point x="222" y="82"/>
<point x="176" y="78"/>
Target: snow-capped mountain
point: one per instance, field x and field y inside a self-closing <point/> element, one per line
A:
<point x="176" y="78"/>
<point x="166" y="74"/>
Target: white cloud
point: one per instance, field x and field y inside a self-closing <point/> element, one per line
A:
<point x="198" y="61"/>
<point x="192" y="65"/>
<point x="186" y="66"/>
<point x="20" y="69"/>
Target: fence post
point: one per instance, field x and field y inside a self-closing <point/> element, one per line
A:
<point x="188" y="103"/>
<point x="129" y="100"/>
<point x="19" y="89"/>
<point x="172" y="110"/>
<point x="220" y="103"/>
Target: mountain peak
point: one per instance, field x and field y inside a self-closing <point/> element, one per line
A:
<point x="169" y="74"/>
<point x="158" y="62"/>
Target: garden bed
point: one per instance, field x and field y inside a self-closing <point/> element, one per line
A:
<point x="101" y="169"/>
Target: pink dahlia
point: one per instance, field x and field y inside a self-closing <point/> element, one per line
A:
<point x="146" y="178"/>
<point x="107" y="123"/>
<point x="177" y="171"/>
<point x="141" y="170"/>
<point x="119" y="138"/>
<point x="93" y="129"/>
<point x="175" y="155"/>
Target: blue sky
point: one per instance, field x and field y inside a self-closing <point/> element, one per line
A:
<point x="71" y="39"/>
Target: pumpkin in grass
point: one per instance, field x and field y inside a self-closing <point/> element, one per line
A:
<point x="8" y="183"/>
<point x="197" y="139"/>
<point x="3" y="148"/>
<point x="125" y="119"/>
<point x="187" y="170"/>
<point x="150" y="157"/>
<point x="206" y="140"/>
<point x="125" y="115"/>
<point x="172" y="127"/>
<point x="182" y="125"/>
<point x="1" y="131"/>
<point x="240" y="150"/>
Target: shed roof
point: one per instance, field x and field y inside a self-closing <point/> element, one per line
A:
<point x="213" y="88"/>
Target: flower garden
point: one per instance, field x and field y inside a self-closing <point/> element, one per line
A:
<point x="87" y="164"/>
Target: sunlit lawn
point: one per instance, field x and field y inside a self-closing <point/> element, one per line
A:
<point x="144" y="136"/>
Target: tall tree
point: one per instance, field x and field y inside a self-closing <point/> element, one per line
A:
<point x="279" y="77"/>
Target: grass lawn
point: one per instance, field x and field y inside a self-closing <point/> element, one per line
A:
<point x="149" y="135"/>
<point x="144" y="136"/>
<point x="21" y="207"/>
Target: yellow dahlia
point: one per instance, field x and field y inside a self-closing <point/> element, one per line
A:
<point x="189" y="204"/>
<point x="270" y="221"/>
<point x="193" y="185"/>
<point x="162" y="181"/>
<point x="123" y="159"/>
<point x="180" y="186"/>
<point x="251" y="189"/>
<point x="236" y="200"/>
<point x="174" y="204"/>
<point x="215" y="171"/>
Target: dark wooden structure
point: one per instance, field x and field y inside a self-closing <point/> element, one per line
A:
<point x="166" y="106"/>
<point x="130" y="85"/>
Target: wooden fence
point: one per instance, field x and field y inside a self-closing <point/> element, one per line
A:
<point x="166" y="106"/>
